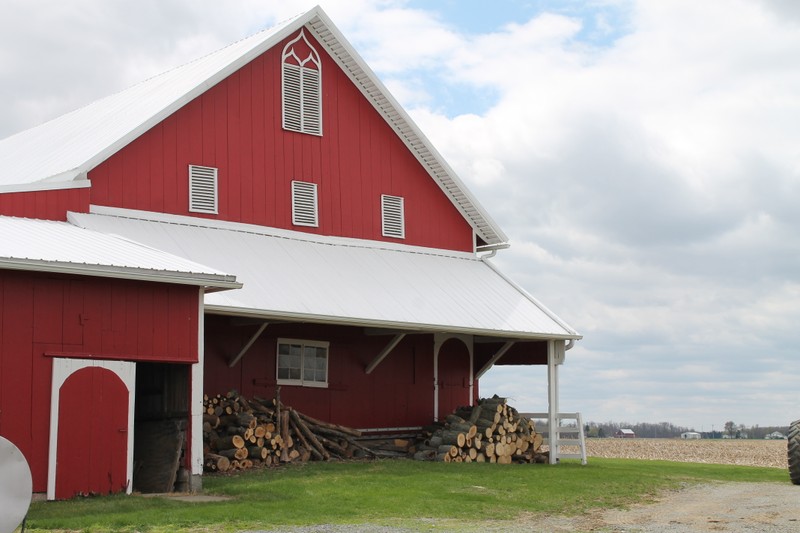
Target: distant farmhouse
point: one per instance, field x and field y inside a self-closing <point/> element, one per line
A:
<point x="776" y="435"/>
<point x="690" y="435"/>
<point x="625" y="434"/>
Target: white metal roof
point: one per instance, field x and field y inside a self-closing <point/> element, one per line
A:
<point x="49" y="246"/>
<point x="67" y="147"/>
<point x="297" y="276"/>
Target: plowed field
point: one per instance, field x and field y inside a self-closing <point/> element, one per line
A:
<point x="770" y="453"/>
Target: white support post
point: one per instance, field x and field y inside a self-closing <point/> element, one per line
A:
<point x="247" y="346"/>
<point x="496" y="357"/>
<point x="386" y="351"/>
<point x="552" y="401"/>
<point x="196" y="397"/>
<point x="437" y="345"/>
<point x="470" y="347"/>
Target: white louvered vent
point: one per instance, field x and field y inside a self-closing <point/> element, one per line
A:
<point x="292" y="107"/>
<point x="304" y="204"/>
<point x="312" y="102"/>
<point x="202" y="189"/>
<point x="393" y="217"/>
<point x="301" y="73"/>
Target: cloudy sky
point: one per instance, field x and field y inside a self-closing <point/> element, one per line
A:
<point x="643" y="157"/>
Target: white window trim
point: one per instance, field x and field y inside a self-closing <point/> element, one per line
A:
<point x="310" y="94"/>
<point x="393" y="206"/>
<point x="301" y="382"/>
<point x="204" y="181"/>
<point x="305" y="204"/>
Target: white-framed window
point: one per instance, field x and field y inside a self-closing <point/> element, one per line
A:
<point x="393" y="216"/>
<point x="203" y="189"/>
<point x="302" y="362"/>
<point x="304" y="204"/>
<point x="301" y="80"/>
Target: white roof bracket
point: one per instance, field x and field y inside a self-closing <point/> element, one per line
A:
<point x="496" y="357"/>
<point x="247" y="346"/>
<point x="386" y="351"/>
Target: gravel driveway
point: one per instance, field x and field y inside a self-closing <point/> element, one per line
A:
<point x="734" y="507"/>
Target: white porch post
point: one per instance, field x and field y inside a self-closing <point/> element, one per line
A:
<point x="438" y="340"/>
<point x="552" y="401"/>
<point x="196" y="402"/>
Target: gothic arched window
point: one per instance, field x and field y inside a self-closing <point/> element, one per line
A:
<point x="301" y="75"/>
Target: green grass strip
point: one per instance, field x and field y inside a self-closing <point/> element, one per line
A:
<point x="394" y="492"/>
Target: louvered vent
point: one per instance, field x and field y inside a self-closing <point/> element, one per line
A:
<point x="301" y="72"/>
<point x="312" y="102"/>
<point x="392" y="216"/>
<point x="304" y="204"/>
<point x="292" y="97"/>
<point x="202" y="189"/>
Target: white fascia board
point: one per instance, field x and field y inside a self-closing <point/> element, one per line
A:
<point x="404" y="120"/>
<point x="48" y="185"/>
<point x="366" y="323"/>
<point x="575" y="335"/>
<point x="106" y="271"/>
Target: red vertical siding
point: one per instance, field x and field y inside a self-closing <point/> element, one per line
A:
<point x="398" y="393"/>
<point x="101" y="318"/>
<point x="48" y="205"/>
<point x="236" y="127"/>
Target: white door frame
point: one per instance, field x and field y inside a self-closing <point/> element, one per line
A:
<point x="63" y="368"/>
<point x="438" y="341"/>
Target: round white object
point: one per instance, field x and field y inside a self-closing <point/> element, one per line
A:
<point x="16" y="486"/>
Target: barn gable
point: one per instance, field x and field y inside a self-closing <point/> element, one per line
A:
<point x="139" y="109"/>
<point x="233" y="143"/>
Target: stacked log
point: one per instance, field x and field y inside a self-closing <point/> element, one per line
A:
<point x="489" y="432"/>
<point x="240" y="434"/>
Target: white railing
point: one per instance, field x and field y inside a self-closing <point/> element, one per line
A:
<point x="565" y="435"/>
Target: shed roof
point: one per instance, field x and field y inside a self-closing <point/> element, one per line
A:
<point x="66" y="148"/>
<point x="297" y="276"/>
<point x="50" y="246"/>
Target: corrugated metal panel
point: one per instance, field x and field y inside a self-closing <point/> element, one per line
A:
<point x="58" y="246"/>
<point x="298" y="276"/>
<point x="67" y="147"/>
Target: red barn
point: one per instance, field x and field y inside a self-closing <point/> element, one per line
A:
<point x="264" y="216"/>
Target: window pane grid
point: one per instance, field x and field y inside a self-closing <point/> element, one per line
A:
<point x="302" y="363"/>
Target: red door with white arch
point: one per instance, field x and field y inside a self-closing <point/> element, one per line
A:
<point x="92" y="455"/>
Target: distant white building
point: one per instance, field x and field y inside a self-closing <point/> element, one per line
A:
<point x="625" y="434"/>
<point x="776" y="435"/>
<point x="691" y="435"/>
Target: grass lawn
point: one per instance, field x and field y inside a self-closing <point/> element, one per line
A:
<point x="391" y="492"/>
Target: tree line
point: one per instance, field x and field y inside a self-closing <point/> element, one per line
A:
<point x="666" y="430"/>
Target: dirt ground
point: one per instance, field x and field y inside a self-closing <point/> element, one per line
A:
<point x="731" y="507"/>
<point x="734" y="507"/>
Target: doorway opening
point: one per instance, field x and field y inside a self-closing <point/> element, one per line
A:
<point x="161" y="418"/>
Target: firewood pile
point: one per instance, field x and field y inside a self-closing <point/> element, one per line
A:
<point x="239" y="434"/>
<point x="491" y="431"/>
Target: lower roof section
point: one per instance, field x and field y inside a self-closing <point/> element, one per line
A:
<point x="51" y="246"/>
<point x="295" y="276"/>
